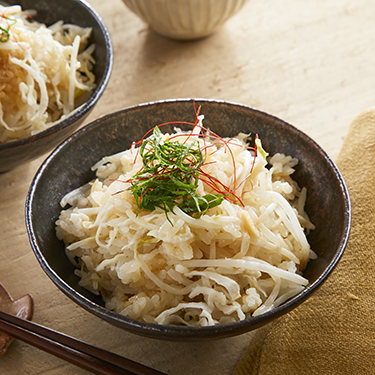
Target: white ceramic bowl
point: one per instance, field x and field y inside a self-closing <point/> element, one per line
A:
<point x="185" y="19"/>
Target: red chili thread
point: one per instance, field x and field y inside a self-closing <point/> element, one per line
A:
<point x="212" y="182"/>
<point x="9" y="29"/>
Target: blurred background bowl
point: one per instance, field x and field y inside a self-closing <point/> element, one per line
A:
<point x="68" y="167"/>
<point x="13" y="154"/>
<point x="185" y="19"/>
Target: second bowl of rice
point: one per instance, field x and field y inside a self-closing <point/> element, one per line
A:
<point x="56" y="61"/>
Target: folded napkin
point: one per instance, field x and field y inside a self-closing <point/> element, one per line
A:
<point x="333" y="332"/>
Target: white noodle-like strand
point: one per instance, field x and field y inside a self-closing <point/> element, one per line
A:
<point x="239" y="259"/>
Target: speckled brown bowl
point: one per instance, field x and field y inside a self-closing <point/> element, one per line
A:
<point x="68" y="167"/>
<point x="78" y="12"/>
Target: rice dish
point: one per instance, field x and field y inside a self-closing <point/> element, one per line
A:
<point x="236" y="250"/>
<point x="45" y="72"/>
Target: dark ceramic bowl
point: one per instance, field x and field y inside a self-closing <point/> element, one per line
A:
<point x="78" y="12"/>
<point x="68" y="167"/>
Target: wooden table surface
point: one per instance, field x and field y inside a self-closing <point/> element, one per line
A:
<point x="308" y="62"/>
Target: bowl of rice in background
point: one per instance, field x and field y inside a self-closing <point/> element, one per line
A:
<point x="252" y="240"/>
<point x="56" y="60"/>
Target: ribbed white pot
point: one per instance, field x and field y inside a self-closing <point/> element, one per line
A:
<point x="185" y="19"/>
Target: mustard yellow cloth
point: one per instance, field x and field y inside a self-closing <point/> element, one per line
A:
<point x="333" y="332"/>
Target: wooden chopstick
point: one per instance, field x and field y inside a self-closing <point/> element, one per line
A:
<point x="91" y="358"/>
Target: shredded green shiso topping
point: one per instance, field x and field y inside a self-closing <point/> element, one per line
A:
<point x="170" y="177"/>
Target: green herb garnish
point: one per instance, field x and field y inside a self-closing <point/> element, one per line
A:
<point x="5" y="32"/>
<point x="170" y="177"/>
